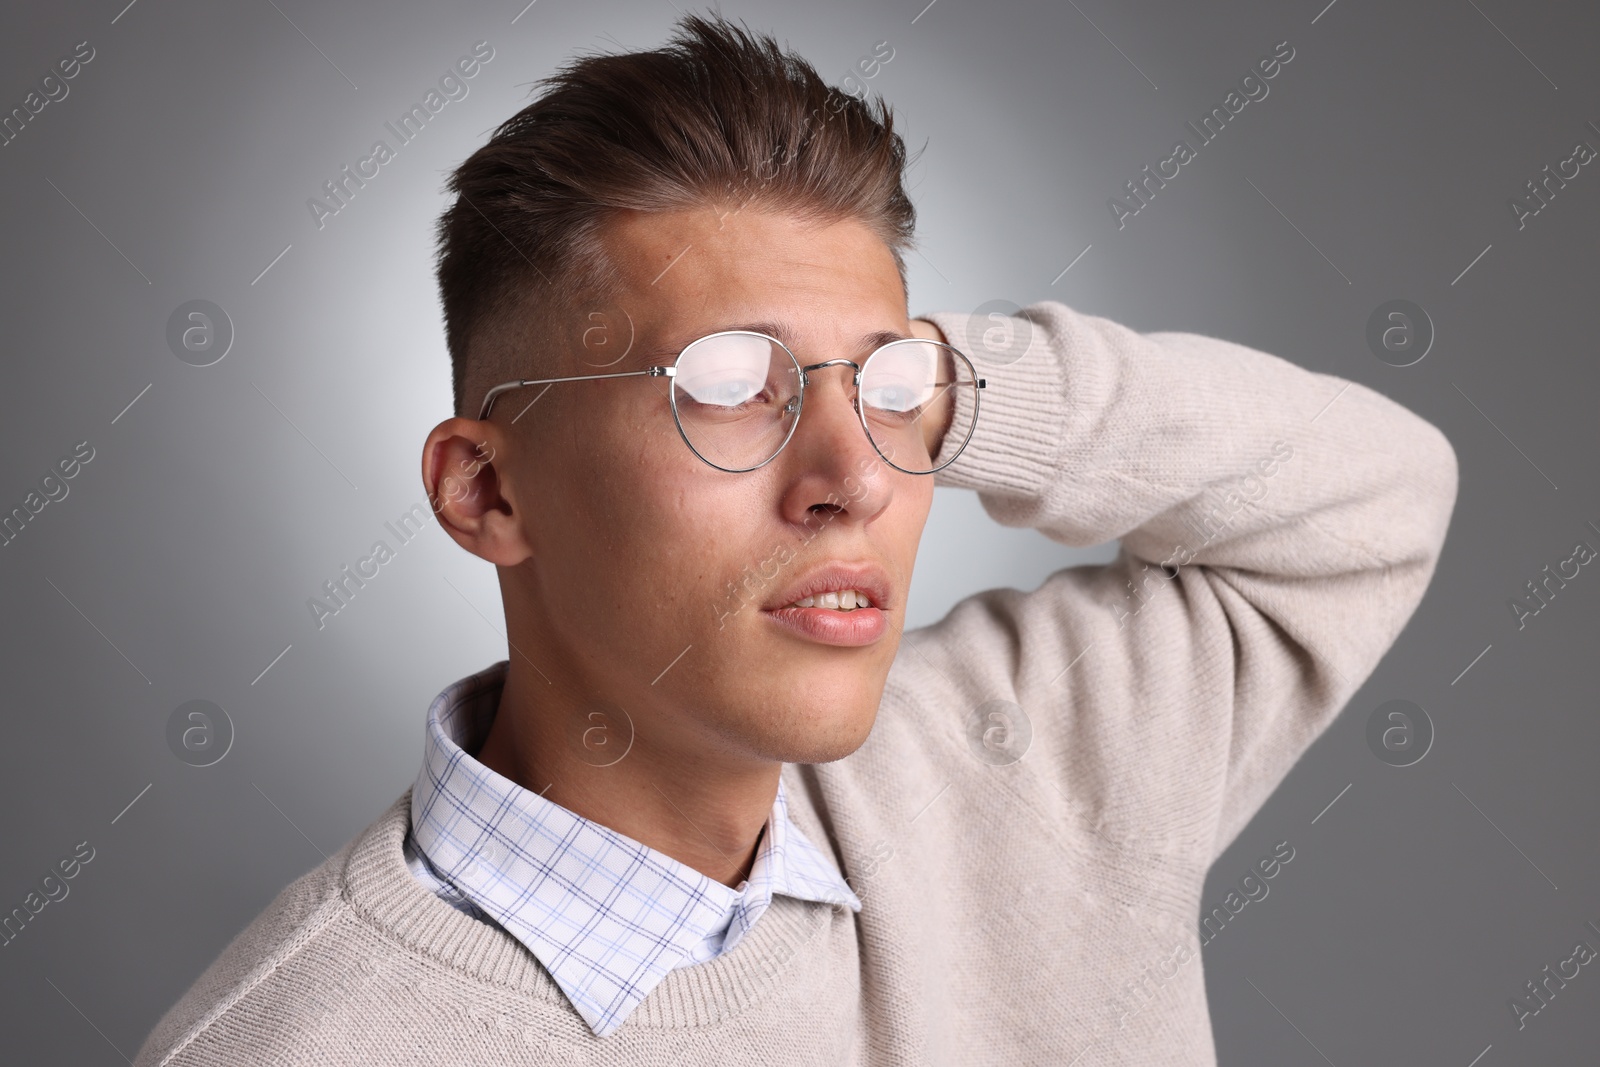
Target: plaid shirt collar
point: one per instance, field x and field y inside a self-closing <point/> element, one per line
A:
<point x="607" y="916"/>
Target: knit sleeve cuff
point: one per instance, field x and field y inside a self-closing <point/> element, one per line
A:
<point x="1017" y="443"/>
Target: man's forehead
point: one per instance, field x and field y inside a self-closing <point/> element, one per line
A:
<point x="698" y="253"/>
<point x="795" y="337"/>
<point x="687" y="274"/>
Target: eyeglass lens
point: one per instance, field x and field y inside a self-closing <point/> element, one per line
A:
<point x="737" y="399"/>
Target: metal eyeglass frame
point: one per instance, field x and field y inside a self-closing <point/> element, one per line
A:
<point x="669" y="371"/>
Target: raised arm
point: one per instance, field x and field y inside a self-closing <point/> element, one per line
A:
<point x="1278" y="528"/>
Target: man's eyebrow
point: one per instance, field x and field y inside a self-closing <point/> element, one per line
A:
<point x="865" y="343"/>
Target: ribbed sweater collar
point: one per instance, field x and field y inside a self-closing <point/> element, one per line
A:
<point x="379" y="887"/>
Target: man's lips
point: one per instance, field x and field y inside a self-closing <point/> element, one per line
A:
<point x="861" y="625"/>
<point x="835" y="576"/>
<point x="830" y="626"/>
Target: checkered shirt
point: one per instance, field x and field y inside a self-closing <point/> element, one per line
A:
<point x="607" y="916"/>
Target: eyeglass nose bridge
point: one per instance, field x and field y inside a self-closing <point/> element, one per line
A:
<point x="855" y="379"/>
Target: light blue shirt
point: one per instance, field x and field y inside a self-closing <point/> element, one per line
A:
<point x="607" y="916"/>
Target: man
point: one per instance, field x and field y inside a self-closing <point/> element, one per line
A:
<point x="716" y="807"/>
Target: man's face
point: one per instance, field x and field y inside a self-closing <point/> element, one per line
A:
<point x="650" y="572"/>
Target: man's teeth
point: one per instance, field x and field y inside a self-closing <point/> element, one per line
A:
<point x="842" y="600"/>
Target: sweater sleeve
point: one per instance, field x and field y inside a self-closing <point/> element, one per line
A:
<point x="1278" y="527"/>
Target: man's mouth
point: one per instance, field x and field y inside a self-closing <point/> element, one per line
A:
<point x="838" y="600"/>
<point x="835" y="602"/>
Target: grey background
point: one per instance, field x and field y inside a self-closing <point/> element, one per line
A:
<point x="179" y="564"/>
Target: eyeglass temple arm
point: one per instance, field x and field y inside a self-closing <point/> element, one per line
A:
<point x="506" y="387"/>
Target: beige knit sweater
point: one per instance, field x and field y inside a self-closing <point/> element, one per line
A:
<point x="1030" y="869"/>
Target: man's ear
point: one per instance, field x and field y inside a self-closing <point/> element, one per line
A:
<point x="463" y="470"/>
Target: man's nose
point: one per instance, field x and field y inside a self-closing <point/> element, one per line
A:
<point x="833" y="465"/>
<point x="828" y="414"/>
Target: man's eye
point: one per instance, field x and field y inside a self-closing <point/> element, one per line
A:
<point x="893" y="398"/>
<point x="729" y="393"/>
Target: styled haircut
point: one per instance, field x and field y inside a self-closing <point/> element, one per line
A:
<point x="718" y="116"/>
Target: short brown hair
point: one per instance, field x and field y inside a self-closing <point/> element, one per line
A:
<point x="717" y="115"/>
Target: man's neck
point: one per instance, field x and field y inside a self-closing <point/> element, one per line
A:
<point x="702" y="811"/>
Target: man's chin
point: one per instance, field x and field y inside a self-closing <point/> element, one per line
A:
<point x="820" y="750"/>
<point x="794" y="702"/>
<point x="802" y="735"/>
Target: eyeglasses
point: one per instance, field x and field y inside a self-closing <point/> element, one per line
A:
<point x="736" y="397"/>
